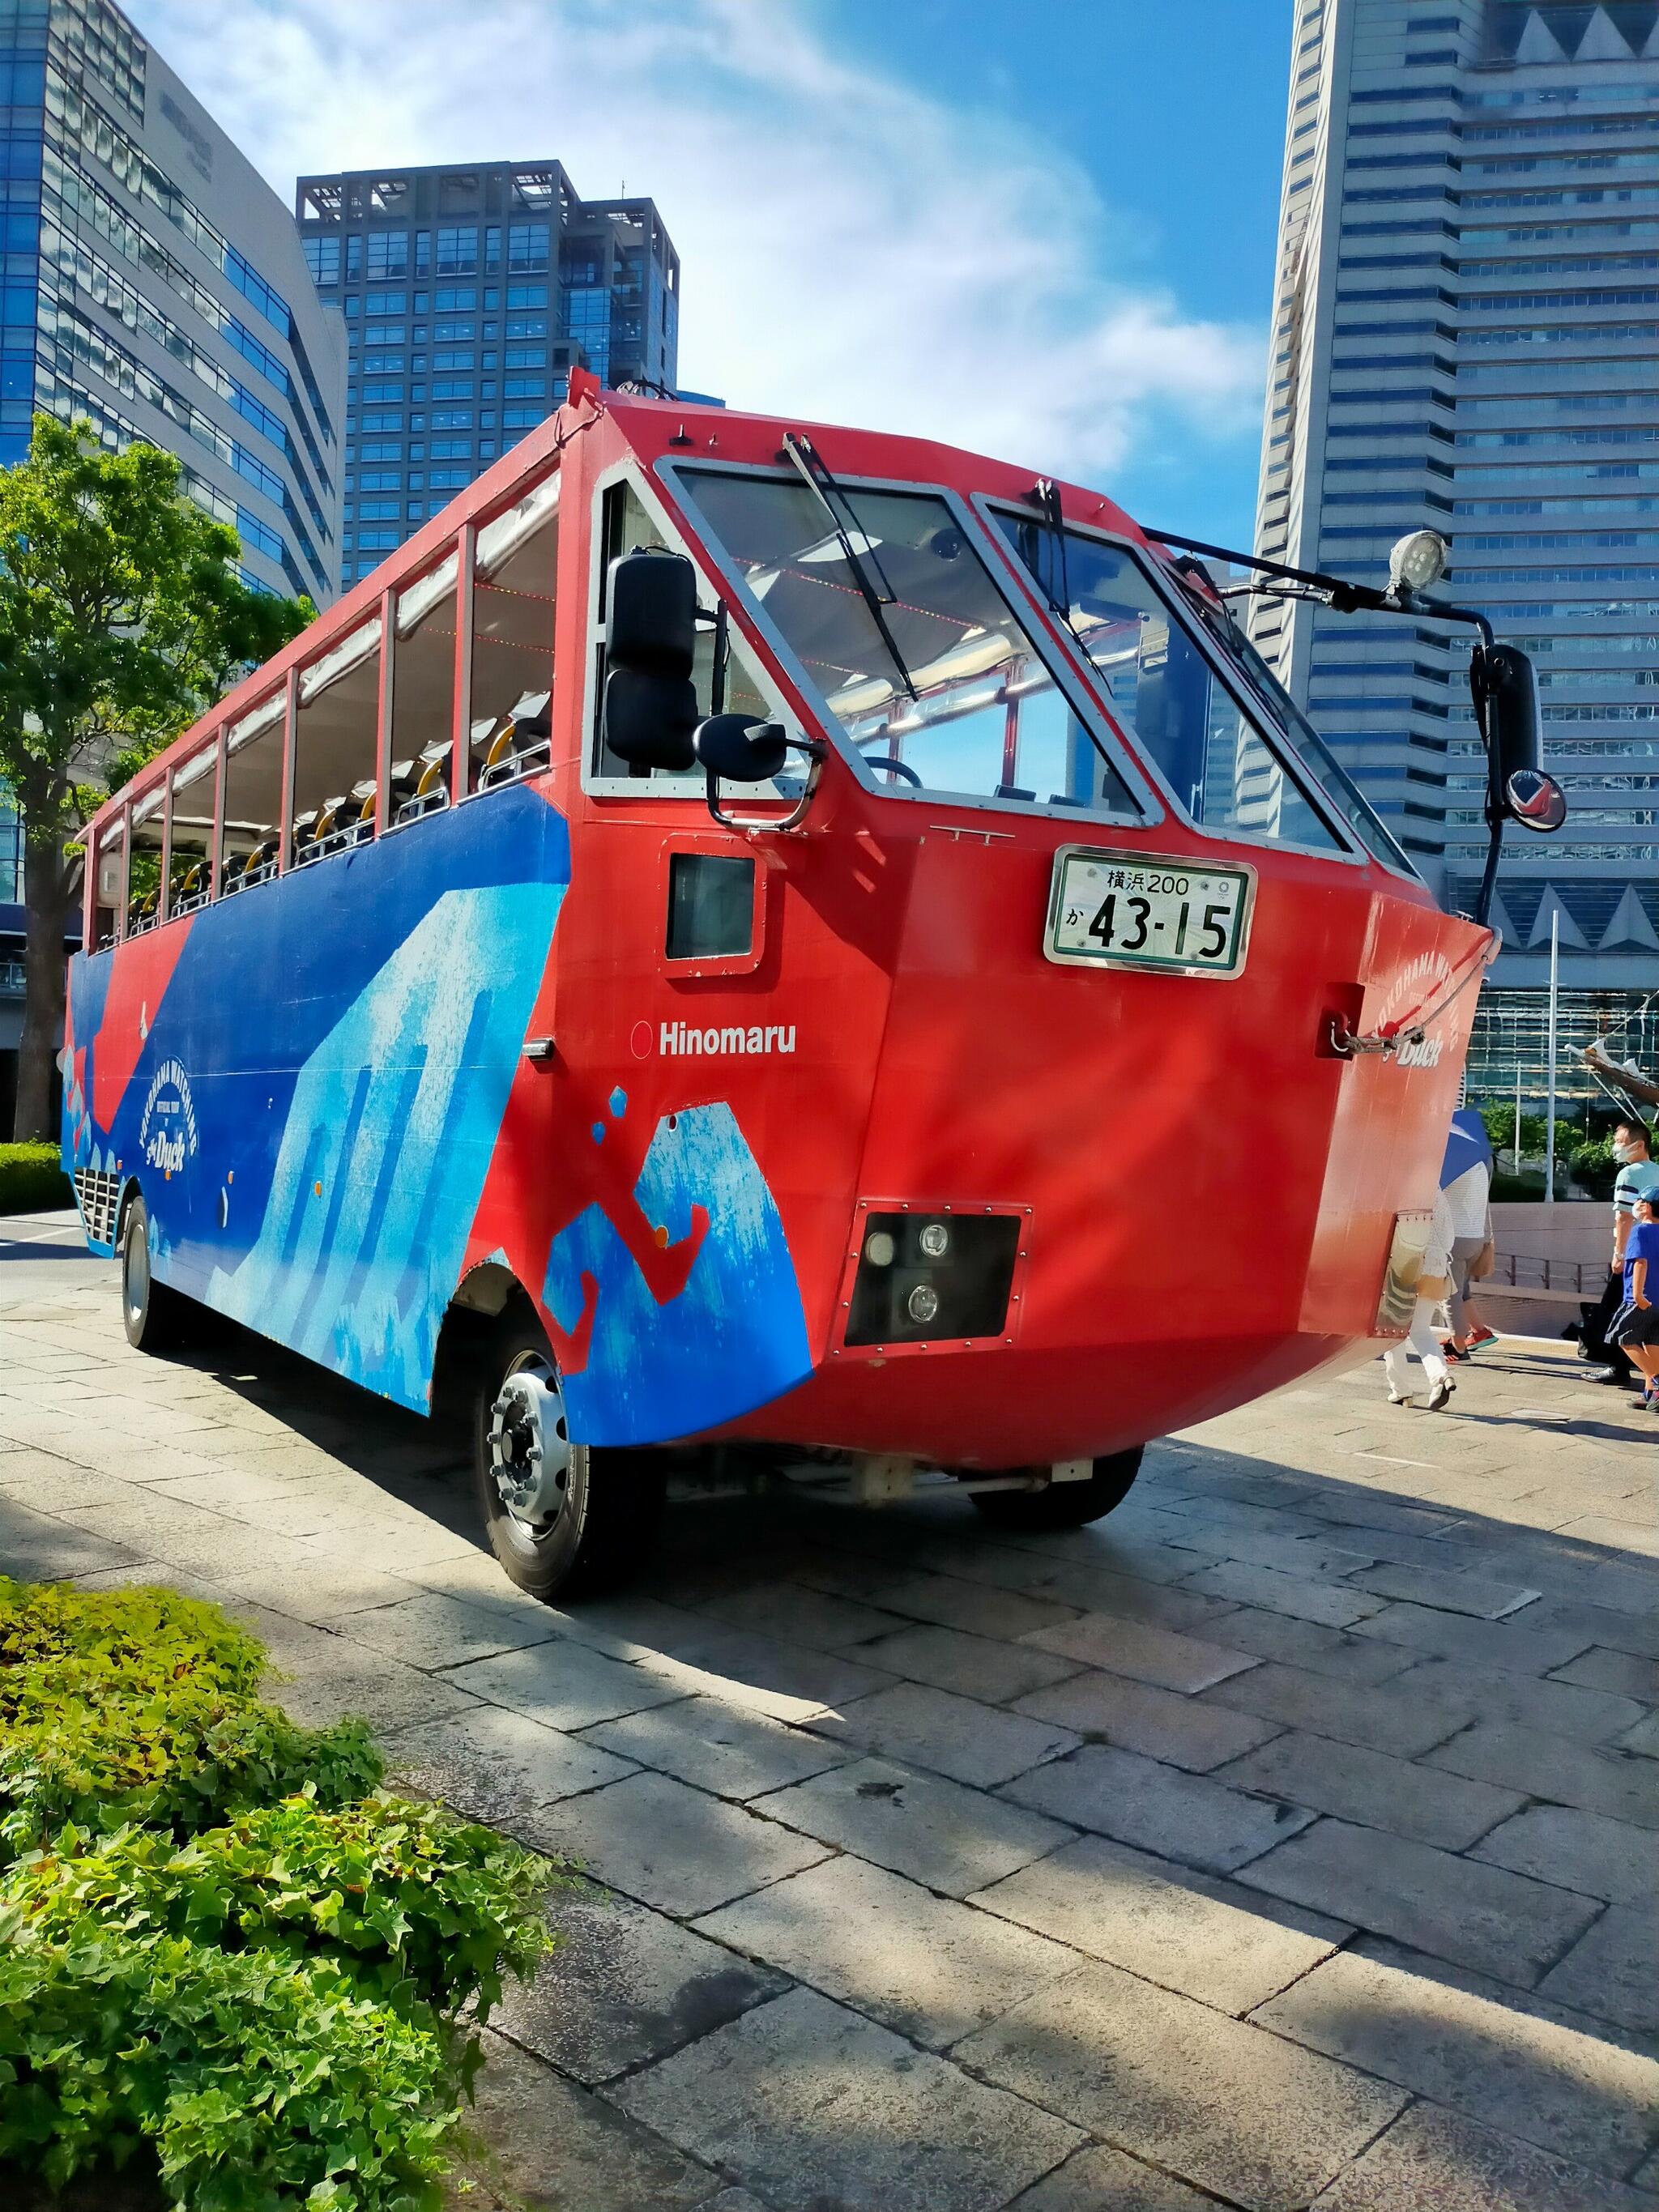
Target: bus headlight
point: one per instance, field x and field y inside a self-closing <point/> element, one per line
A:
<point x="935" y="1242"/>
<point x="922" y="1305"/>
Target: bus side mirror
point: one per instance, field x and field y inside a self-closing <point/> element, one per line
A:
<point x="650" y="707"/>
<point x="1511" y="689"/>
<point x="649" y="719"/>
<point x="740" y="749"/>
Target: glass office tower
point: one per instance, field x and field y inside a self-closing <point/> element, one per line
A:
<point x="469" y="292"/>
<point x="152" y="285"/>
<point x="1466" y="311"/>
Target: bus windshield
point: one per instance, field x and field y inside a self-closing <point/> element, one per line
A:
<point x="1229" y="769"/>
<point x="943" y="689"/>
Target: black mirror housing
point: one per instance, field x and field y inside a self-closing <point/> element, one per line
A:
<point x="649" y="719"/>
<point x="651" y="614"/>
<point x="1511" y="689"/>
<point x="740" y="749"/>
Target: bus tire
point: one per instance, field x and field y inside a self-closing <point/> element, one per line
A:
<point x="157" y="1319"/>
<point x="1064" y="1504"/>
<point x="564" y="1519"/>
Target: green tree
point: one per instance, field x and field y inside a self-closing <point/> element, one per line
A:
<point x="122" y="619"/>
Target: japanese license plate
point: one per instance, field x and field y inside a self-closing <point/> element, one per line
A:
<point x="1133" y="910"/>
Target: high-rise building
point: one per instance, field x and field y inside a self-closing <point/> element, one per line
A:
<point x="469" y="294"/>
<point x="1465" y="319"/>
<point x="152" y="285"/>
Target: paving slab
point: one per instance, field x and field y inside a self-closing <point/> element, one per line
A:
<point x="977" y="1607"/>
<point x="1156" y="1808"/>
<point x="1620" y="1672"/>
<point x="1379" y="1716"/>
<point x="1602" y="1624"/>
<point x="764" y="1674"/>
<point x="1569" y="2092"/>
<point x="718" y="1747"/>
<point x="1432" y="2161"/>
<point x="931" y="1968"/>
<point x="1516" y="1647"/>
<point x="817" y="1618"/>
<point x="553" y="2146"/>
<point x="625" y="1987"/>
<point x="493" y="1764"/>
<point x="1612" y="1970"/>
<point x="990" y="1668"/>
<point x="564" y="1684"/>
<point x="811" y="2107"/>
<point x="667" y="1844"/>
<point x="1459" y="1909"/>
<point x="982" y="1745"/>
<point x="388" y="1695"/>
<point x="1422" y="1802"/>
<point x="939" y="1833"/>
<point x="1334" y="1651"/>
<point x="1447" y="1592"/>
<point x="1643" y="1738"/>
<point x="1531" y="1701"/>
<point x="1183" y="1931"/>
<point x="1578" y="1850"/>
<point x="1141" y="1650"/>
<point x="1139" y="1717"/>
<point x="1098" y="1588"/>
<point x="1261" y="2122"/>
<point x="1100" y="2179"/>
<point x="43" y="1548"/>
<point x="1623" y="1786"/>
<point x="1333" y="1604"/>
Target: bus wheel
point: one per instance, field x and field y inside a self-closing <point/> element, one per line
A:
<point x="563" y="1517"/>
<point x="157" y="1319"/>
<point x="1064" y="1504"/>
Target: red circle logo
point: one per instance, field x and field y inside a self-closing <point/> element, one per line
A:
<point x="644" y="1036"/>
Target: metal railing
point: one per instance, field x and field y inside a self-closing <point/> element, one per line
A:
<point x="1534" y="1271"/>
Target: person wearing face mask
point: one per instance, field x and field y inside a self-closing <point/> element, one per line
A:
<point x="1636" y="1326"/>
<point x="1637" y="1178"/>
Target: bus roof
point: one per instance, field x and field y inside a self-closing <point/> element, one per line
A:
<point x="655" y="428"/>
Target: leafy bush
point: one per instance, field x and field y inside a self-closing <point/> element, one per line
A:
<point x="222" y="1951"/>
<point x="139" y="1705"/>
<point x="31" y="1179"/>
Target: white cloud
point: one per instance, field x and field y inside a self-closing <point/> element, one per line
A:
<point x="853" y="249"/>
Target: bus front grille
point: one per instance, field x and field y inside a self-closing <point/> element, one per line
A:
<point x="98" y="1194"/>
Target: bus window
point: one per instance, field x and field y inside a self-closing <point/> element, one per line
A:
<point x="948" y="692"/>
<point x="515" y="571"/>
<point x="726" y="682"/>
<point x="335" y="746"/>
<point x="109" y="885"/>
<point x="254" y="796"/>
<point x="423" y="694"/>
<point x="189" y="847"/>
<point x="144" y="865"/>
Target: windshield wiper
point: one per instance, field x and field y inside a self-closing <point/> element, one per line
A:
<point x="815" y="475"/>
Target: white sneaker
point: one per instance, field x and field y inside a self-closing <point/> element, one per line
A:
<point x="1440" y="1396"/>
<point x="1400" y="1397"/>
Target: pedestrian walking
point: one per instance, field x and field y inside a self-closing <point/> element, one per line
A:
<point x="1636" y="1329"/>
<point x="1433" y="1280"/>
<point x="1637" y="1178"/>
<point x="1466" y="1179"/>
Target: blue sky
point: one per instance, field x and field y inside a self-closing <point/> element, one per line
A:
<point x="1044" y="230"/>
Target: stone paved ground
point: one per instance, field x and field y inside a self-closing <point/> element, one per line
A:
<point x="1288" y="1839"/>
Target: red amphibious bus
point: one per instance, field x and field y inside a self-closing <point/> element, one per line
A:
<point x="748" y="931"/>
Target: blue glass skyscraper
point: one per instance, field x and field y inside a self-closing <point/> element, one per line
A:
<point x="469" y="293"/>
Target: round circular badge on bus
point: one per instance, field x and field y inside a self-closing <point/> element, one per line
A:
<point x="644" y="1036"/>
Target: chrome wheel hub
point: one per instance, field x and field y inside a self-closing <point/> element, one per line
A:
<point x="529" y="1445"/>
